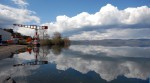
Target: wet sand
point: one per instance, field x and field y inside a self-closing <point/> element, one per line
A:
<point x="7" y="51"/>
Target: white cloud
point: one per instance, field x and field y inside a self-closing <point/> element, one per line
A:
<point x="21" y="3"/>
<point x="17" y="15"/>
<point x="26" y="31"/>
<point x="10" y="15"/>
<point x="113" y="34"/>
<point x="107" y="16"/>
<point x="122" y="51"/>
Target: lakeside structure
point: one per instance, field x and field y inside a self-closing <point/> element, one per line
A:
<point x="4" y="35"/>
<point x="36" y="41"/>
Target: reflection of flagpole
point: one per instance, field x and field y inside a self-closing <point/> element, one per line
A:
<point x="36" y="62"/>
<point x="36" y="51"/>
<point x="44" y="52"/>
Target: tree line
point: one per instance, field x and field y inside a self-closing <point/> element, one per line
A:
<point x="56" y="39"/>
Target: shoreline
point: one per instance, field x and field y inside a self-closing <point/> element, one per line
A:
<point x="7" y="51"/>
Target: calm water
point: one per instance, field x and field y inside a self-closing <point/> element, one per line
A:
<point x="79" y="64"/>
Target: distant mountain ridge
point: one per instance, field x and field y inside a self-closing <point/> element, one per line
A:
<point x="114" y="42"/>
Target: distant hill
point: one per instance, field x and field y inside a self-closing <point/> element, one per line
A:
<point x="114" y="42"/>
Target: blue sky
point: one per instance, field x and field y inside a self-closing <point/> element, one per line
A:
<point x="48" y="10"/>
<point x="80" y="17"/>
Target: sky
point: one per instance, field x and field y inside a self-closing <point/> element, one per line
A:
<point x="80" y="19"/>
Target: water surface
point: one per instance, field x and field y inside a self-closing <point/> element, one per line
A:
<point x="79" y="64"/>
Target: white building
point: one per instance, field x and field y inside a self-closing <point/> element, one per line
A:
<point x="5" y="35"/>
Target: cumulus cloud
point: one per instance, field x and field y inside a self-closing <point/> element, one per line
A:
<point x="112" y="51"/>
<point x="113" y="33"/>
<point x="108" y="16"/>
<point x="10" y="15"/>
<point x="21" y="3"/>
<point x="108" y="22"/>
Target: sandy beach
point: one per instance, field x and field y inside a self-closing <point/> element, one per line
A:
<point x="7" y="51"/>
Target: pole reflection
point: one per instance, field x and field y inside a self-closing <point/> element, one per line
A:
<point x="36" y="54"/>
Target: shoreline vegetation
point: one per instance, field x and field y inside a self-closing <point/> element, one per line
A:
<point x="56" y="39"/>
<point x="51" y="42"/>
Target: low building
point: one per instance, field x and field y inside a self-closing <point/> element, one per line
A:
<point x="4" y="35"/>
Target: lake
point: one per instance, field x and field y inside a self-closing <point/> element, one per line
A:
<point x="78" y="64"/>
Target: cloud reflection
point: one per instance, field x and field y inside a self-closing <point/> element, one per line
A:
<point x="131" y="62"/>
<point x="108" y="62"/>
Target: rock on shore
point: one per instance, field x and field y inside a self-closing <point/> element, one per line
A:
<point x="7" y="51"/>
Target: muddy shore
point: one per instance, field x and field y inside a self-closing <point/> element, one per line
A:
<point x="7" y="51"/>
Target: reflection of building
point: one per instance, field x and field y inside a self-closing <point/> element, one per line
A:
<point x="5" y="35"/>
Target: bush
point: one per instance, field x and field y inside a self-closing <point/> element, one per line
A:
<point x="44" y="42"/>
<point x="22" y="42"/>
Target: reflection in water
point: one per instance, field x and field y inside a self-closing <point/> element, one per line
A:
<point x="108" y="62"/>
<point x="56" y="49"/>
<point x="79" y="63"/>
<point x="36" y="62"/>
<point x="124" y="51"/>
